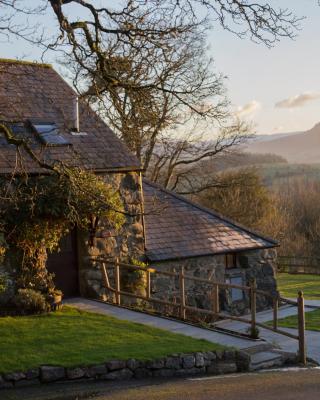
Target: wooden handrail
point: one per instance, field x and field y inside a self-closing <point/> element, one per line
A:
<point x="174" y="275"/>
<point x="183" y="307"/>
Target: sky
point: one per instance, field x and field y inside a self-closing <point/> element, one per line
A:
<point x="278" y="89"/>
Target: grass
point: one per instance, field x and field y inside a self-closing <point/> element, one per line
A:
<point x="312" y="321"/>
<point x="72" y="338"/>
<point x="290" y="284"/>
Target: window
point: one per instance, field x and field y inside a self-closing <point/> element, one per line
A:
<point x="231" y="261"/>
<point x="18" y="130"/>
<point x="236" y="294"/>
<point x="49" y="134"/>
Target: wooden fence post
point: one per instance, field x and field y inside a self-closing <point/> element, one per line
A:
<point x="216" y="305"/>
<point x="182" y="294"/>
<point x="253" y="306"/>
<point x="301" y="329"/>
<point x="148" y="284"/>
<point x="117" y="281"/>
<point x="105" y="275"/>
<point x="275" y="311"/>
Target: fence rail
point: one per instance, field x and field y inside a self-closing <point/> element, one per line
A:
<point x="298" y="265"/>
<point x="183" y="308"/>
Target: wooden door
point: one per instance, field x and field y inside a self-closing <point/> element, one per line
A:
<point x="64" y="265"/>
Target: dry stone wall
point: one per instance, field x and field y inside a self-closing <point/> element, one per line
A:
<point x="200" y="363"/>
<point x="126" y="244"/>
<point x="258" y="264"/>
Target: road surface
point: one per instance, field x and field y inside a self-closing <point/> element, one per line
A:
<point x="272" y="385"/>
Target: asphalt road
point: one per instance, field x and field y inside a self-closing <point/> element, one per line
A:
<point x="275" y="385"/>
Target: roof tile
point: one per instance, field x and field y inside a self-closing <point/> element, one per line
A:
<point x="36" y="91"/>
<point x="178" y="228"/>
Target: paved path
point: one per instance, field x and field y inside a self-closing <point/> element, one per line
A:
<point x="285" y="343"/>
<point x="162" y="323"/>
<point x="312" y="303"/>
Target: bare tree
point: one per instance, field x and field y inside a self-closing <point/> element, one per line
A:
<point x="15" y="18"/>
<point x="85" y="27"/>
<point x="178" y="164"/>
<point x="140" y="54"/>
<point x="141" y="116"/>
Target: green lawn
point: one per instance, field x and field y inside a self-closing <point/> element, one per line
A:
<point x="290" y="284"/>
<point x="71" y="337"/>
<point x="312" y="321"/>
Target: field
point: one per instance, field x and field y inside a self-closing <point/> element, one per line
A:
<point x="290" y="284"/>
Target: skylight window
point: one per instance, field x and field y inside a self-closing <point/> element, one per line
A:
<point x="49" y="134"/>
<point x="18" y="129"/>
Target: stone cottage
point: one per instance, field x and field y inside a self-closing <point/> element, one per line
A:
<point x="165" y="229"/>
<point x="179" y="233"/>
<point x="33" y="98"/>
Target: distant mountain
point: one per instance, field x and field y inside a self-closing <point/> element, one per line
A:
<point x="303" y="148"/>
<point x="273" y="136"/>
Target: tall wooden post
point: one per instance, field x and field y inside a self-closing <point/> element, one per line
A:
<point x="275" y="311"/>
<point x="301" y="329"/>
<point x="253" y="306"/>
<point x="117" y="281"/>
<point x="182" y="294"/>
<point x="216" y="305"/>
<point x="148" y="284"/>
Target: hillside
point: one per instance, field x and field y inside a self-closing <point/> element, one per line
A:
<point x="301" y="148"/>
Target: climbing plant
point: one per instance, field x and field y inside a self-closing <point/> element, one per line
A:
<point x="36" y="212"/>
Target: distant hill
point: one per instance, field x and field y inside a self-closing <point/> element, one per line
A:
<point x="274" y="136"/>
<point x="301" y="147"/>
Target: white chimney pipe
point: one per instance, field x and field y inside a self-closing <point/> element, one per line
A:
<point x="76" y="115"/>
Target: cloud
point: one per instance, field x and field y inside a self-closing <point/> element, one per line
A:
<point x="248" y="108"/>
<point x="278" y="128"/>
<point x="298" y="101"/>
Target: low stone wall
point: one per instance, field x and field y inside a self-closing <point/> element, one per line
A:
<point x="200" y="363"/>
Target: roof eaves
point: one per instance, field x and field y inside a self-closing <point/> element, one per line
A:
<point x="22" y="62"/>
<point x="155" y="258"/>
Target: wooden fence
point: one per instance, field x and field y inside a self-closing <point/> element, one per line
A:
<point x="298" y="265"/>
<point x="106" y="264"/>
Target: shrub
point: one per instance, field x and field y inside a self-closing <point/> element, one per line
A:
<point x="253" y="332"/>
<point x="3" y="283"/>
<point x="135" y="280"/>
<point x="29" y="301"/>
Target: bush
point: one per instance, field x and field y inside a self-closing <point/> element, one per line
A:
<point x="29" y="301"/>
<point x="3" y="283"/>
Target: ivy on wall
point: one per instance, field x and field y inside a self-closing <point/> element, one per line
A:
<point x="36" y="212"/>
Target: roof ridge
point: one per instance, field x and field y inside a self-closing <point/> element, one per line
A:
<point x="211" y="212"/>
<point x="25" y="62"/>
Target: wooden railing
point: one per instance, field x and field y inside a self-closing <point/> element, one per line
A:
<point x="298" y="265"/>
<point x="182" y="306"/>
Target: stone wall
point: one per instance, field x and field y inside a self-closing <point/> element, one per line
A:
<point x="259" y="264"/>
<point x="210" y="362"/>
<point x="126" y="244"/>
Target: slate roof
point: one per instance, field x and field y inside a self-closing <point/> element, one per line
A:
<point x="177" y="228"/>
<point x="31" y="90"/>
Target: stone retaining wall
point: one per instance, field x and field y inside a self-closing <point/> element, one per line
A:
<point x="200" y="363"/>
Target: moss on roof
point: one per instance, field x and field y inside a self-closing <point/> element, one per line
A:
<point x="22" y="62"/>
